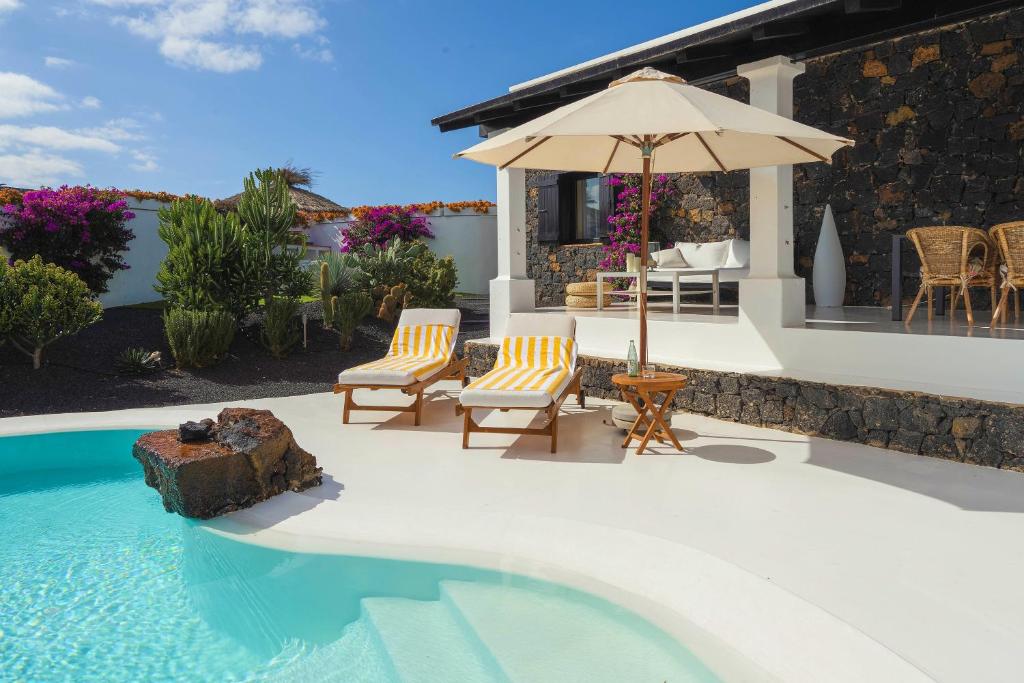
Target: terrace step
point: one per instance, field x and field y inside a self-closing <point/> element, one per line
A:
<point x="568" y="639"/>
<point x="426" y="644"/>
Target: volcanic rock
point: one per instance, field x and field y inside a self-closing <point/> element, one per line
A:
<point x="246" y="457"/>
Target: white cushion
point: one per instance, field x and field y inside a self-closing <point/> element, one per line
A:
<point x="724" y="275"/>
<point x="502" y="398"/>
<point x="396" y="378"/>
<point x="540" y="325"/>
<point x="739" y="254"/>
<point x="669" y="258"/>
<point x="704" y="255"/>
<point x="430" y="316"/>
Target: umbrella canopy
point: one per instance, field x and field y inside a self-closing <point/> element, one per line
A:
<point x="651" y="122"/>
<point x="692" y="130"/>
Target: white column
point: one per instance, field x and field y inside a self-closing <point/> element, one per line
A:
<point x="511" y="291"/>
<point x="772" y="296"/>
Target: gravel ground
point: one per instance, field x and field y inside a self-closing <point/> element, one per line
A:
<point x="80" y="373"/>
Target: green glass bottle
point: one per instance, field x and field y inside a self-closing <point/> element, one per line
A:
<point x="632" y="361"/>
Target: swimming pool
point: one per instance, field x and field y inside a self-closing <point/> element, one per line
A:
<point x="98" y="583"/>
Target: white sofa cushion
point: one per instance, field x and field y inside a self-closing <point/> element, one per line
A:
<point x="669" y="258"/>
<point x="739" y="254"/>
<point x="704" y="256"/>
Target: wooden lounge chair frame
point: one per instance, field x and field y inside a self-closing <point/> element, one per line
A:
<point x="549" y="428"/>
<point x="456" y="369"/>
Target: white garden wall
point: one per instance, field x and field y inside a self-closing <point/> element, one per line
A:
<point x="145" y="252"/>
<point x="470" y="237"/>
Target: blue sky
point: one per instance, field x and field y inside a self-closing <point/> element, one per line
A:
<point x="189" y="95"/>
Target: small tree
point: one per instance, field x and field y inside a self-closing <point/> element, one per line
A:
<point x="45" y="302"/>
<point x="81" y="229"/>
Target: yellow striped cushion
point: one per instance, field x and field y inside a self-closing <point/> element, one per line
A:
<point x="531" y="364"/>
<point x="420" y="350"/>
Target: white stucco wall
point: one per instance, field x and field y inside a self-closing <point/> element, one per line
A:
<point x="145" y="252"/>
<point x="470" y="237"/>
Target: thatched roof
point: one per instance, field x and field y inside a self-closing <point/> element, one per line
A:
<point x="299" y="180"/>
<point x="304" y="199"/>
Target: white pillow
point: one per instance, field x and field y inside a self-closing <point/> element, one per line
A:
<point x="739" y="254"/>
<point x="704" y="256"/>
<point x="669" y="258"/>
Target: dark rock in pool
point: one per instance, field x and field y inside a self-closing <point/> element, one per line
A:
<point x="247" y="457"/>
<point x="195" y="431"/>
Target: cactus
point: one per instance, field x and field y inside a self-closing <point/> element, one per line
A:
<point x="325" y="294"/>
<point x="346" y="312"/>
<point x="392" y="300"/>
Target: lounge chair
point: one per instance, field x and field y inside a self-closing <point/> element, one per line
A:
<point x="422" y="352"/>
<point x="535" y="370"/>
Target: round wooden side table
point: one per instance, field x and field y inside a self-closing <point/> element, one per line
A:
<point x="641" y="393"/>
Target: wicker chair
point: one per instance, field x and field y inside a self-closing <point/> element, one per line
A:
<point x="1009" y="237"/>
<point x="955" y="257"/>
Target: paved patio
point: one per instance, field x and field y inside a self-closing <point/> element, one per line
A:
<point x="818" y="560"/>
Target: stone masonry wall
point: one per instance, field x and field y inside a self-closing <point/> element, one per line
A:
<point x="938" y="118"/>
<point x="965" y="430"/>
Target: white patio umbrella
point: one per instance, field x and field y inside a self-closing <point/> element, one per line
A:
<point x="652" y="122"/>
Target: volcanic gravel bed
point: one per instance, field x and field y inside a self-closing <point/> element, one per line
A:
<point x="80" y="373"/>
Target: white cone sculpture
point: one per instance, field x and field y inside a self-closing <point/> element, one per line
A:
<point x="829" y="274"/>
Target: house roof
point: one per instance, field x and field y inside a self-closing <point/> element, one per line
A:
<point x="304" y="200"/>
<point x="711" y="51"/>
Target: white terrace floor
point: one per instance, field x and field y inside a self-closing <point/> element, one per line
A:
<point x="848" y="318"/>
<point x="819" y="560"/>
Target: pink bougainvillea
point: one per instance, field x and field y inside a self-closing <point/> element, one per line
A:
<point x="382" y="223"/>
<point x="624" y="224"/>
<point x="82" y="229"/>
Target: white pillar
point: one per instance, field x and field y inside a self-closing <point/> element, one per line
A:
<point x="772" y="296"/>
<point x="511" y="291"/>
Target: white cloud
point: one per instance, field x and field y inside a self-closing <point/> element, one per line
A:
<point x="117" y="130"/>
<point x="212" y="34"/>
<point x="321" y="52"/>
<point x="9" y="5"/>
<point x="57" y="62"/>
<point x="35" y="168"/>
<point x="211" y="56"/>
<point x="51" y="137"/>
<point x="284" y="18"/>
<point x="91" y="102"/>
<point x="21" y="95"/>
<point x="144" y="162"/>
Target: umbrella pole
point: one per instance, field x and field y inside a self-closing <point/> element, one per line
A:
<point x="645" y="209"/>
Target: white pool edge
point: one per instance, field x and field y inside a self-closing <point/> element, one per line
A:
<point x="724" y="614"/>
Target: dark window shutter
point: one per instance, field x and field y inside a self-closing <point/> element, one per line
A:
<point x="607" y="203"/>
<point x="548" y="208"/>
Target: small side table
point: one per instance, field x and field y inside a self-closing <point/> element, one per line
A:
<point x="650" y="415"/>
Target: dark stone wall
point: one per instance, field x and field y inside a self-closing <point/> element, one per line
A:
<point x="938" y="118"/>
<point x="964" y="430"/>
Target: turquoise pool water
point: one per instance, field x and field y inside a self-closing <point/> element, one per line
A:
<point x="98" y="583"/>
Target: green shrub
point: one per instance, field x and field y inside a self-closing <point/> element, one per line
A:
<point x="339" y="273"/>
<point x="430" y="280"/>
<point x="233" y="261"/>
<point x="198" y="338"/>
<point x="280" y="326"/>
<point x="41" y="303"/>
<point x="346" y="312"/>
<point x="7" y="298"/>
<point x="206" y="267"/>
<point x="138" y="361"/>
<point x="434" y="281"/>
